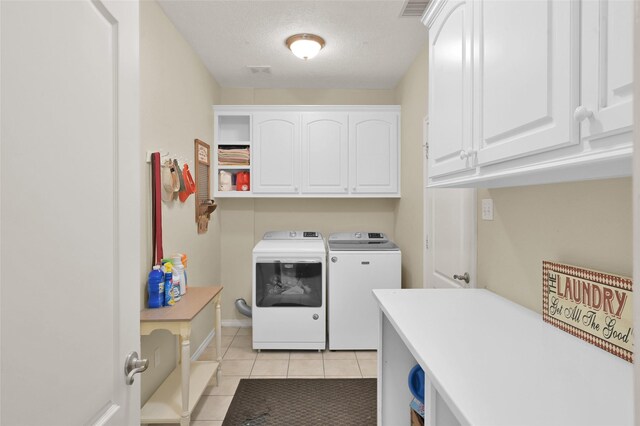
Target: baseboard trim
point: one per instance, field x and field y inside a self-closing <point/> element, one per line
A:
<point x="242" y="323"/>
<point x="203" y="346"/>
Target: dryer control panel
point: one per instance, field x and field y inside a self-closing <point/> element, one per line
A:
<point x="292" y="235"/>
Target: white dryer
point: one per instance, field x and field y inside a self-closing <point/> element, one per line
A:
<point x="359" y="262"/>
<point x="289" y="291"/>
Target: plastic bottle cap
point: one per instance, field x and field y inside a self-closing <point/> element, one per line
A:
<point x="156" y="268"/>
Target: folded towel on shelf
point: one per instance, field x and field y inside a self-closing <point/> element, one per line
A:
<point x="233" y="156"/>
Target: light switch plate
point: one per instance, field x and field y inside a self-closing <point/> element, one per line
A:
<point x="487" y="209"/>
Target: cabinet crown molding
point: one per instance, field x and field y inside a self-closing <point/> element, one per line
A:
<point x="432" y="12"/>
<point x="306" y="108"/>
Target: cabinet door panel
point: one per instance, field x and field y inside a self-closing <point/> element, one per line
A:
<point x="373" y="152"/>
<point x="325" y="151"/>
<point x="449" y="131"/>
<point x="276" y="152"/>
<point x="607" y="69"/>
<point x="526" y="77"/>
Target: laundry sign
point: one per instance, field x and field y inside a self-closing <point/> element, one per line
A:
<point x="591" y="305"/>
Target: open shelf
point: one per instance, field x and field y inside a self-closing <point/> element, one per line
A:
<point x="223" y="167"/>
<point x="233" y="129"/>
<point x="234" y="194"/>
<point x="227" y="143"/>
<point x="165" y="404"/>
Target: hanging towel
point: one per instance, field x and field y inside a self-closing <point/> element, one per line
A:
<point x="167" y="181"/>
<point x="180" y="178"/>
<point x="156" y="197"/>
<point x="189" y="184"/>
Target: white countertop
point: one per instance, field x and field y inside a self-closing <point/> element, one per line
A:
<point x="497" y="363"/>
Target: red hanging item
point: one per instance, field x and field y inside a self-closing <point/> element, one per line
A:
<point x="189" y="184"/>
<point x="156" y="199"/>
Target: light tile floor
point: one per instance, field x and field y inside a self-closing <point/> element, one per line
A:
<point x="239" y="361"/>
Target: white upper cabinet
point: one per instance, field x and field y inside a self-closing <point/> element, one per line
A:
<point x="526" y="79"/>
<point x="335" y="151"/>
<point x="373" y="152"/>
<point x="550" y="91"/>
<point x="325" y="153"/>
<point x="607" y="69"/>
<point x="450" y="101"/>
<point x="276" y="152"/>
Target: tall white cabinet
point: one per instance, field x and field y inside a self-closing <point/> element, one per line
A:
<point x="526" y="92"/>
<point x="310" y="151"/>
<point x="607" y="69"/>
<point x="526" y="84"/>
<point x="450" y="101"/>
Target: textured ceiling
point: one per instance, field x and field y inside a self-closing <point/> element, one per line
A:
<point x="369" y="46"/>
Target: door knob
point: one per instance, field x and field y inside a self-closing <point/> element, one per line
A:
<point x="464" y="277"/>
<point x="581" y="113"/>
<point x="133" y="366"/>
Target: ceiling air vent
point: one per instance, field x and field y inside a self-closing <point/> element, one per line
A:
<point x="259" y="69"/>
<point x="414" y="7"/>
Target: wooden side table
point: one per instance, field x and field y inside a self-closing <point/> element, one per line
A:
<point x="174" y="400"/>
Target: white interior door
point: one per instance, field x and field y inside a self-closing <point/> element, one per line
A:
<point x="70" y="210"/>
<point x="450" y="249"/>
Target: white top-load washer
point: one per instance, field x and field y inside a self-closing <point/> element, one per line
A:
<point x="359" y="262"/>
<point x="289" y="291"/>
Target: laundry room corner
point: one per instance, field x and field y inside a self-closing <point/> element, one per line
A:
<point x="237" y="217"/>
<point x="411" y="94"/>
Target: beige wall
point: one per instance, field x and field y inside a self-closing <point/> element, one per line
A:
<point x="243" y="222"/>
<point x="176" y="94"/>
<point x="412" y="95"/>
<point x="582" y="223"/>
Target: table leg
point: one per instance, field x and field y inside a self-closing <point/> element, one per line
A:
<point x="185" y="361"/>
<point x="218" y="326"/>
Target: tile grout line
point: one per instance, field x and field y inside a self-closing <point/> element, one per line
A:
<point x="288" y="365"/>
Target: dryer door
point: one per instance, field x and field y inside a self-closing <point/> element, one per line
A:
<point x="289" y="303"/>
<point x="288" y="283"/>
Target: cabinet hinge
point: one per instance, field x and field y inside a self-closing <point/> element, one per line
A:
<point x="426" y="243"/>
<point x="426" y="149"/>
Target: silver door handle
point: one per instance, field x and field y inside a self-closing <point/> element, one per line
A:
<point x="133" y="366"/>
<point x="464" y="277"/>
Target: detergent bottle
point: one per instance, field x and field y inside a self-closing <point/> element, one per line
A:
<point x="156" y="288"/>
<point x="179" y="268"/>
<point x="184" y="265"/>
<point x="168" y="293"/>
<point x="175" y="284"/>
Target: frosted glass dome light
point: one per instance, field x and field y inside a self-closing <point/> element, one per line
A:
<point x="305" y="46"/>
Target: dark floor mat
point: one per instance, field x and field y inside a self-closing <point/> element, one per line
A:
<point x="309" y="402"/>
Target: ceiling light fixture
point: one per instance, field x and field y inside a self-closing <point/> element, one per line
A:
<point x="305" y="46"/>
